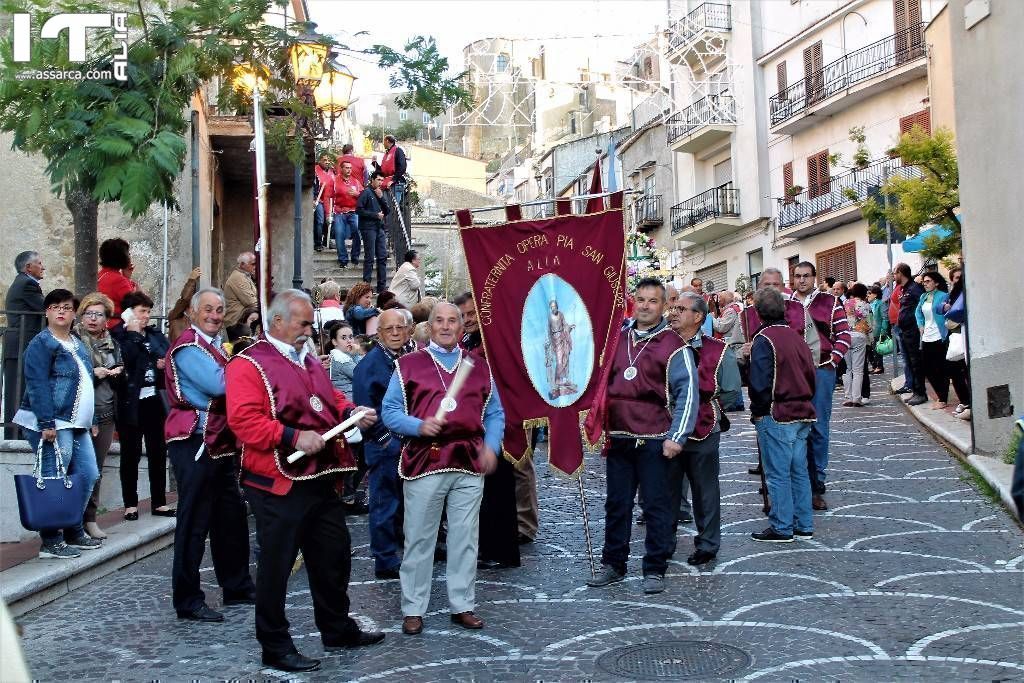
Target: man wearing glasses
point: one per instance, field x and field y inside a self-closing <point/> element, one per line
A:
<point x="718" y="381"/>
<point x="833" y="330"/>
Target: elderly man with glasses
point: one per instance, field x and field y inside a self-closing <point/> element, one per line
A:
<point x="718" y="382"/>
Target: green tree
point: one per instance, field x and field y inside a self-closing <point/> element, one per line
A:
<point x="123" y="141"/>
<point x="930" y="199"/>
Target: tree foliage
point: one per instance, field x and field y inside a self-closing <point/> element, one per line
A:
<point x="421" y="71"/>
<point x="929" y="199"/>
<point x="406" y="130"/>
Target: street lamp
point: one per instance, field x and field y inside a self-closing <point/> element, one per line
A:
<point x="333" y="94"/>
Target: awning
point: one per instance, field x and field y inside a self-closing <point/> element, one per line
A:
<point x="917" y="242"/>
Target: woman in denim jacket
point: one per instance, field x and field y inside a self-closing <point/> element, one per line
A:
<point x="932" y="323"/>
<point x="58" y="408"/>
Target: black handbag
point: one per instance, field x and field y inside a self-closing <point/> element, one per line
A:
<point x="50" y="502"/>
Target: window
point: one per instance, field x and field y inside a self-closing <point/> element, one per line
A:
<point x="426" y="119"/>
<point x="780" y="77"/>
<point x="839" y="262"/>
<point x="813" y="76"/>
<point x="723" y="172"/>
<point x="755" y="264"/>
<point x="650" y="188"/>
<point x="921" y="118"/>
<point x="791" y="262"/>
<point x="403" y="115"/>
<point x="787" y="180"/>
<point x="907" y="25"/>
<point x="501" y="64"/>
<point x="817" y="174"/>
<point x="715" y="278"/>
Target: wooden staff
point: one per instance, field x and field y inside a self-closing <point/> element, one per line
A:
<point x="465" y="367"/>
<point x="333" y="432"/>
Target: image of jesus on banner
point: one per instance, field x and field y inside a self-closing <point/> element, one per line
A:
<point x="557" y="351"/>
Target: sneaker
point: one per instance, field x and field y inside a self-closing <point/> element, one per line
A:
<point x="805" y="535"/>
<point x="605" y="577"/>
<point x="85" y="542"/>
<point x="916" y="400"/>
<point x="58" y="551"/>
<point x="960" y="407"/>
<point x="769" y="535"/>
<point x="964" y="414"/>
<point x="903" y="390"/>
<point x="654" y="583"/>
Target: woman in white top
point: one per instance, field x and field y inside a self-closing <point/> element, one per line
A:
<point x="58" y="408"/>
<point x="932" y="323"/>
<point x="407" y="285"/>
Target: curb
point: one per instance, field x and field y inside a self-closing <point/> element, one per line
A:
<point x="37" y="582"/>
<point x="950" y="432"/>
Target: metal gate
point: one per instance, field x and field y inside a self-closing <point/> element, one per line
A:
<point x="715" y="278"/>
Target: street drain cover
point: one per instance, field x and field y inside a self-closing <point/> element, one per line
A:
<point x="674" y="660"/>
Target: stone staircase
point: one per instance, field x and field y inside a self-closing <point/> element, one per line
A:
<point x="325" y="267"/>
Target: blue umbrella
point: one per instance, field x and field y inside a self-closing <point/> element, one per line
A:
<point x="917" y="242"/>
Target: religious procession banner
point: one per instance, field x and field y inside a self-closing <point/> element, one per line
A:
<point x="549" y="298"/>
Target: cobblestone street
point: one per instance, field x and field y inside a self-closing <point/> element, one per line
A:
<point x="912" y="574"/>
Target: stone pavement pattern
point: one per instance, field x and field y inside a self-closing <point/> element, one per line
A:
<point x="912" y="574"/>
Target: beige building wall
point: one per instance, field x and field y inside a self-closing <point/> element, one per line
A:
<point x="426" y="165"/>
<point x="990" y="146"/>
<point x="940" y="72"/>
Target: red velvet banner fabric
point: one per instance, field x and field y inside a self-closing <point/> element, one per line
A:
<point x="549" y="298"/>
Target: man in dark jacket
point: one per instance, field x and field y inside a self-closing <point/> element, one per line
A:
<point x="372" y="210"/>
<point x="910" y="335"/>
<point x="369" y="384"/>
<point x="25" y="296"/>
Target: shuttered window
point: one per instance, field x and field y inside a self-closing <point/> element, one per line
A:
<point x="787" y="180"/>
<point x="818" y="174"/>
<point x="907" y="15"/>
<point x="715" y="278"/>
<point x="922" y="118"/>
<point x="839" y="262"/>
<point x="780" y="76"/>
<point x="813" y="76"/>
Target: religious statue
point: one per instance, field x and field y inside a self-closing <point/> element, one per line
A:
<point x="556" y="353"/>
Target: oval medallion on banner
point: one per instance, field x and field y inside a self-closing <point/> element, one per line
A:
<point x="558" y="341"/>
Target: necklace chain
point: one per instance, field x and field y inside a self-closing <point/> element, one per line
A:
<point x="454" y="369"/>
<point x="629" y="344"/>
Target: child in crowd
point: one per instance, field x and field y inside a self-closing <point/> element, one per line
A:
<point x="344" y="355"/>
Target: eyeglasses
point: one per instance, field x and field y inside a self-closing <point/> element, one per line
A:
<point x="63" y="309"/>
<point x="94" y="314"/>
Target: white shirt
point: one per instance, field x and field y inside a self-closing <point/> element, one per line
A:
<point x="287" y="350"/>
<point x="81" y="418"/>
<point x="931" y="329"/>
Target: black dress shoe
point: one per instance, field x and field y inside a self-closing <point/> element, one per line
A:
<point x="132" y="516"/>
<point x="700" y="557"/>
<point x="387" y="573"/>
<point x="240" y="599"/>
<point x="291" y="661"/>
<point x="202" y="613"/>
<point x="359" y="639"/>
<point x="171" y="512"/>
<point x="756" y="471"/>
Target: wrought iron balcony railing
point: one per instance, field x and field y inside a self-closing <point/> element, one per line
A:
<point x="878" y="58"/>
<point x="713" y="109"/>
<point x="840" y="191"/>
<point x="647" y="210"/>
<point x="711" y="16"/>
<point x="723" y="200"/>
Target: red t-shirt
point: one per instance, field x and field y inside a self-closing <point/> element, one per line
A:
<point x="115" y="285"/>
<point x="346" y="194"/>
<point x="894" y="304"/>
<point x="358" y="166"/>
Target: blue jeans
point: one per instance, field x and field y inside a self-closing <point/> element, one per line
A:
<point x="783" y="449"/>
<point x="79" y="456"/>
<point x="630" y="466"/>
<point x="908" y="370"/>
<point x="817" y="442"/>
<point x="346" y="225"/>
<point x="398" y="189"/>
<point x="375" y="239"/>
<point x="318" y="226"/>
<point x="385" y="503"/>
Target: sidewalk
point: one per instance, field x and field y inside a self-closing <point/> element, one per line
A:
<point x="956" y="435"/>
<point x="27" y="582"/>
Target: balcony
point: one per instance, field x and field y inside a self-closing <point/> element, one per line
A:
<point x="702" y="125"/>
<point x="698" y="39"/>
<point x="708" y="216"/>
<point x="819" y="209"/>
<point x="892" y="61"/>
<point x="647" y="212"/>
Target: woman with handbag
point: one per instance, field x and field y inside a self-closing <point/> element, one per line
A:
<point x="955" y="311"/>
<point x="108" y="372"/>
<point x="140" y="408"/>
<point x="858" y="313"/>
<point x="932" y="324"/>
<point x="57" y="416"/>
<point x="880" y="324"/>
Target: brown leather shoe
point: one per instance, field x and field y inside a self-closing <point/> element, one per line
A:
<point x="467" y="620"/>
<point x="818" y="502"/>
<point x="412" y="626"/>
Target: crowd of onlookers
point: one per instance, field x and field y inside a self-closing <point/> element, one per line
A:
<point x="78" y="373"/>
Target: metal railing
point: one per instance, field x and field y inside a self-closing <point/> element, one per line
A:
<point x="878" y="58"/>
<point x="723" y="200"/>
<point x="840" y="191"/>
<point x="713" y="109"/>
<point x="711" y="16"/>
<point x="647" y="210"/>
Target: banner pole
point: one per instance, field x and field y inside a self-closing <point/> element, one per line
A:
<point x="586" y="526"/>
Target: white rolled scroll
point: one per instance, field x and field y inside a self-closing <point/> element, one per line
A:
<point x="465" y="367"/>
<point x="332" y="432"/>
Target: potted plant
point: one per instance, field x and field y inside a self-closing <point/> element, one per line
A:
<point x="792" y="192"/>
